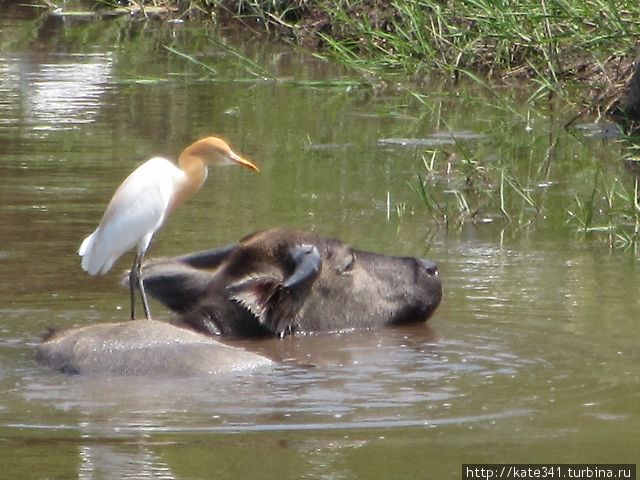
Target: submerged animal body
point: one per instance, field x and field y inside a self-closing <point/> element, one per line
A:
<point x="142" y="348"/>
<point x="279" y="281"/>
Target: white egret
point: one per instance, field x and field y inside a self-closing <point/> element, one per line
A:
<point x="142" y="204"/>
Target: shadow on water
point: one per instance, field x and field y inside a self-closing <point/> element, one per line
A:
<point x="531" y="357"/>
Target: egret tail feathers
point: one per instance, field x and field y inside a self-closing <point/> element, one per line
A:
<point x="93" y="260"/>
<point x="86" y="243"/>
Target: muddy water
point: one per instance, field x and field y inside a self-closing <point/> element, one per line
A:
<point x="532" y="356"/>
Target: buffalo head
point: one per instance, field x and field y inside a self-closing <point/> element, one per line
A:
<point x="280" y="281"/>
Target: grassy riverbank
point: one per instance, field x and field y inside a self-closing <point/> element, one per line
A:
<point x="556" y="44"/>
<point x="581" y="51"/>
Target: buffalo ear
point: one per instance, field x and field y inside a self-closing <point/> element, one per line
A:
<point x="207" y="259"/>
<point x="275" y="302"/>
<point x="175" y="284"/>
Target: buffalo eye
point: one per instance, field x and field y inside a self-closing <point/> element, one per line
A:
<point x="347" y="263"/>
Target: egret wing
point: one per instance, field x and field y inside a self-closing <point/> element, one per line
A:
<point x="136" y="211"/>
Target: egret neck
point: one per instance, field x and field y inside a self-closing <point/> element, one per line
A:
<point x="195" y="173"/>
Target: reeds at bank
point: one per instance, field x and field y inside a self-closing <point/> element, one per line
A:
<point x="555" y="43"/>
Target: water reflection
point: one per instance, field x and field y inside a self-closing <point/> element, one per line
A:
<point x="54" y="96"/>
<point x="125" y="461"/>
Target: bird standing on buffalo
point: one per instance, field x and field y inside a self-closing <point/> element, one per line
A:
<point x="142" y="204"/>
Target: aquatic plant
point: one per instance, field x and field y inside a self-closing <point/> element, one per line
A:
<point x="463" y="189"/>
<point x="611" y="208"/>
<point x="461" y="186"/>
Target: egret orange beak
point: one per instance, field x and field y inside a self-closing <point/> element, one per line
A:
<point x="242" y="162"/>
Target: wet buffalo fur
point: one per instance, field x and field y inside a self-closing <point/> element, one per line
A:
<point x="279" y="281"/>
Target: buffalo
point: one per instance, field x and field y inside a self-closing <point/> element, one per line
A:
<point x="278" y="282"/>
<point x="271" y="283"/>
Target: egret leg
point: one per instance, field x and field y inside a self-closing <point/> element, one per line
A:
<point x="143" y="294"/>
<point x="135" y="280"/>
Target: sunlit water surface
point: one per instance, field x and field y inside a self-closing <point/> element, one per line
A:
<point x="532" y="357"/>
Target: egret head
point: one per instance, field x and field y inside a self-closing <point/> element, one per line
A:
<point x="216" y="152"/>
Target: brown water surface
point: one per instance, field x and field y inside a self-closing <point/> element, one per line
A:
<point x="532" y="357"/>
